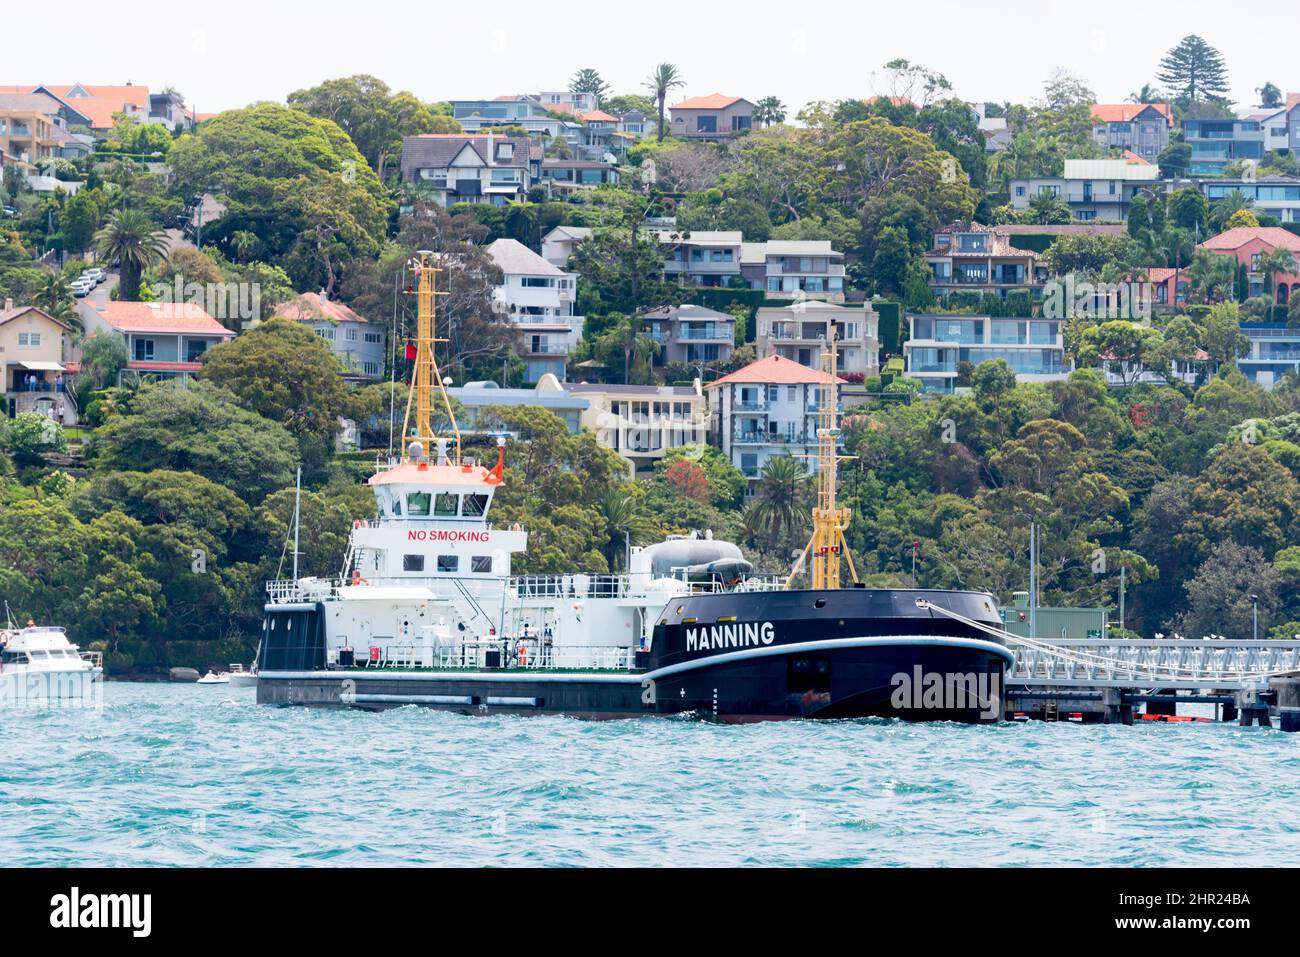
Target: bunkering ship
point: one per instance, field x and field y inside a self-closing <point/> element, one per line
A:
<point x="427" y="612"/>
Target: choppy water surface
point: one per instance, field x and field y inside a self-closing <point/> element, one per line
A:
<point x="187" y="775"/>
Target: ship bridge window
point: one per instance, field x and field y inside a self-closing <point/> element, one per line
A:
<point x="448" y="563"/>
<point x="412" y="563"/>
<point x="481" y="564"/>
<point x="475" y="506"/>
<point x="417" y="503"/>
<point x="397" y="505"/>
<point x="446" y="504"/>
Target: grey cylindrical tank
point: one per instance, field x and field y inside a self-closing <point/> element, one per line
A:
<point x="684" y="552"/>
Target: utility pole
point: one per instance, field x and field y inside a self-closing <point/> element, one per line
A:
<point x="1254" y="617"/>
<point x="1033" y="580"/>
<point x="297" y="515"/>
<point x="1122" y="570"/>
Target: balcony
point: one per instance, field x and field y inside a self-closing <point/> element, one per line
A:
<point x="757" y="405"/>
<point x="704" y="333"/>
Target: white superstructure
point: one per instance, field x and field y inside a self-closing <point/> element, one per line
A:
<point x="38" y="664"/>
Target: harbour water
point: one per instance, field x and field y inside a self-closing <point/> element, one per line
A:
<point x="182" y="775"/>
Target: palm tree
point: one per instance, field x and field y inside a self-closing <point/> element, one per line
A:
<point x="1273" y="263"/>
<point x="243" y="243"/>
<point x="54" y="297"/>
<point x="663" y="81"/>
<point x="1148" y="94"/>
<point x="778" y="503"/>
<point x="1222" y="210"/>
<point x="1212" y="275"/>
<point x="618" y="512"/>
<point x="135" y="240"/>
<point x="769" y="110"/>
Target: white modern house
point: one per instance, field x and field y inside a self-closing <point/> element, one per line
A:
<point x="937" y="345"/>
<point x="768" y="408"/>
<point x="794" y="268"/>
<point x="537" y="296"/>
<point x="798" y="332"/>
<point x="561" y="243"/>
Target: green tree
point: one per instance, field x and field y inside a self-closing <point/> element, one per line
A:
<point x="665" y="78"/>
<point x="32" y="435"/>
<point x="373" y="116"/>
<point x="284" y="372"/>
<point x="312" y="199"/>
<point x="134" y="240"/>
<point x="201" y="429"/>
<point x="780" y="500"/>
<point x="1194" y="70"/>
<point x="588" y="80"/>
<point x="769" y="111"/>
<point x="79" y="222"/>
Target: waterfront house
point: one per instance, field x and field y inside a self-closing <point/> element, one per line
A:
<point x="358" y="343"/>
<point x="971" y="257"/>
<point x="768" y="408"/>
<point x="940" y="347"/>
<point x="32" y="344"/>
<point x="561" y="242"/>
<point x="642" y="422"/>
<point x="538" y="297"/>
<point x="794" y="268"/>
<point x="798" y="332"/>
<point x="691" y="334"/>
<point x="715" y="117"/>
<point x="164" y="340"/>
<point x="464" y="168"/>
<point x="1249" y="244"/>
<point x="707" y="258"/>
<point x="1274" y="352"/>
<point x="1094" y="189"/>
<point x="1142" y="128"/>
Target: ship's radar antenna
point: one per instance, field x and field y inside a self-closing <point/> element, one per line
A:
<point x="427" y="384"/>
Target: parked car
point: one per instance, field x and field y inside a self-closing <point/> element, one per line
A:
<point x="94" y="273"/>
<point x="81" y="287"/>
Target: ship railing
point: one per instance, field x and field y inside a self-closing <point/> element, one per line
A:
<point x="500" y="653"/>
<point x="287" y="590"/>
<point x="94" y="658"/>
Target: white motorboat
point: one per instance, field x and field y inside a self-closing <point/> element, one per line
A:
<point x="215" y="678"/>
<point x="240" y="677"/>
<point x="39" y="665"/>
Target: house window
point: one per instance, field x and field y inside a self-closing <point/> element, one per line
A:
<point x="706" y="124"/>
<point x="325" y="332"/>
<point x="481" y="564"/>
<point x="370" y="368"/>
<point x="142" y="350"/>
<point x="1020" y="191"/>
<point x="371" y="337"/>
<point x="412" y="563"/>
<point x="350" y="335"/>
<point x="448" y="564"/>
<point x="194" y="350"/>
<point x="29" y="338"/>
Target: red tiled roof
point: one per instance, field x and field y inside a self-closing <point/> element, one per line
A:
<point x="716" y="101"/>
<point x="183" y="317"/>
<point x="892" y="100"/>
<point x="1274" y="236"/>
<point x="1292" y="101"/>
<point x="1134" y="160"/>
<point x="310" y="306"/>
<point x="774" y="370"/>
<point x="600" y="115"/>
<point x="1126" y="112"/>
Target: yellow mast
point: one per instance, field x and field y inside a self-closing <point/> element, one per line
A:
<point x="827" y="544"/>
<point x="426" y="377"/>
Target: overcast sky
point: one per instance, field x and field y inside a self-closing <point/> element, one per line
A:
<point x="229" y="54"/>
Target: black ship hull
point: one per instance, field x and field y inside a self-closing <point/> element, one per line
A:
<point x="737" y="656"/>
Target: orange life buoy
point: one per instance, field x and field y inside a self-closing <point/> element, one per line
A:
<point x="523" y="655"/>
<point x="357" y="579"/>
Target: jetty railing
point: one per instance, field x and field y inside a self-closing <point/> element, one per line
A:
<point x="1171" y="663"/>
